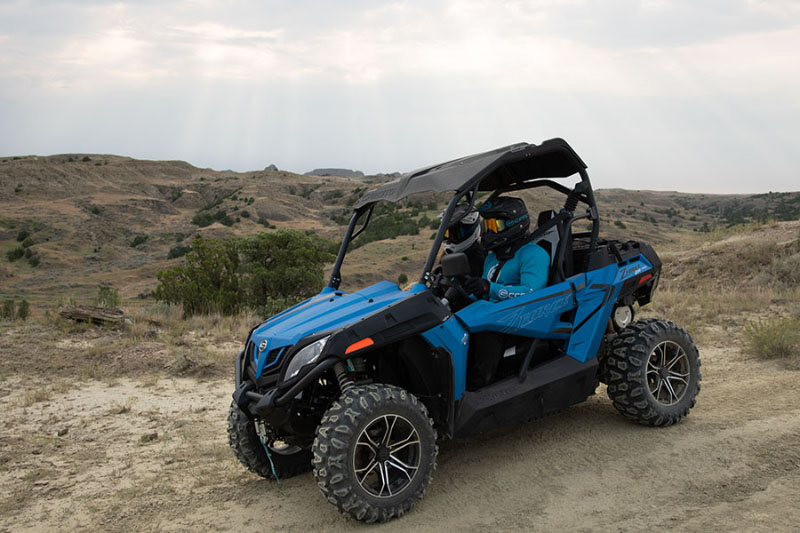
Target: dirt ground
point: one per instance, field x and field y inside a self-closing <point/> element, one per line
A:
<point x="152" y="455"/>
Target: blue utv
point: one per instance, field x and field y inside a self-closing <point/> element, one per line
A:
<point x="357" y="386"/>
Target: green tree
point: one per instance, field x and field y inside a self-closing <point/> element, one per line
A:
<point x="23" y="310"/>
<point x="285" y="264"/>
<point x="206" y="282"/>
<point x="402" y="279"/>
<point x="7" y="311"/>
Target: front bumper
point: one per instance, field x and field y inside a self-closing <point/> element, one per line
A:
<point x="272" y="403"/>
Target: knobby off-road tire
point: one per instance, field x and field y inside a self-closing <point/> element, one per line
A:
<point x="653" y="372"/>
<point x="247" y="447"/>
<point x="370" y="432"/>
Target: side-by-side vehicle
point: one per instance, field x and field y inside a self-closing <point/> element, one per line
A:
<point x="358" y="386"/>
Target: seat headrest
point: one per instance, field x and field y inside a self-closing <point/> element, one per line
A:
<point x="544" y="216"/>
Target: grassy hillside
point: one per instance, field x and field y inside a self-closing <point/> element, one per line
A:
<point x="77" y="221"/>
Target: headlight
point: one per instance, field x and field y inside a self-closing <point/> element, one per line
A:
<point x="307" y="355"/>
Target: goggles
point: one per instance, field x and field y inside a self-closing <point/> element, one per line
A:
<point x="496" y="225"/>
<point x="493" y="225"/>
<point x="459" y="233"/>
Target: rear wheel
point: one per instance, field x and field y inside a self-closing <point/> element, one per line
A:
<point x="374" y="452"/>
<point x="653" y="372"/>
<point x="287" y="460"/>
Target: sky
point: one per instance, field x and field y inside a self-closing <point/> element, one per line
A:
<point x="687" y="95"/>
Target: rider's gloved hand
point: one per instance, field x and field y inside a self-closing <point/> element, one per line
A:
<point x="476" y="286"/>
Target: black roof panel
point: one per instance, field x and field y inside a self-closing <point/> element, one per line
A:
<point x="497" y="168"/>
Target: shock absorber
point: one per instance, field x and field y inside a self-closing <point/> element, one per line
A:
<point x="345" y="383"/>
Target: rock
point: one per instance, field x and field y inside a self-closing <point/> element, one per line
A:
<point x="149" y="437"/>
<point x="343" y="172"/>
<point x="63" y="431"/>
<point x="271" y="167"/>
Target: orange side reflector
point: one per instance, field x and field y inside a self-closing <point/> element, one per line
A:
<point x="645" y="278"/>
<point x="363" y="343"/>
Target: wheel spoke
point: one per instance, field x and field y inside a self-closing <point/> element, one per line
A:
<point x="671" y="392"/>
<point x="374" y="445"/>
<point x="678" y="378"/>
<point x="401" y="463"/>
<point x="658" y="388"/>
<point x="396" y="448"/>
<point x="679" y="356"/>
<point x="397" y="464"/>
<point x="387" y="437"/>
<point x="371" y="447"/>
<point x="385" y="470"/>
<point x="369" y="468"/>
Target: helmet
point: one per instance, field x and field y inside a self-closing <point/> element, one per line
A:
<point x="505" y="223"/>
<point x="463" y="231"/>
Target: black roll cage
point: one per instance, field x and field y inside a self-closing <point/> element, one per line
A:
<point x="581" y="192"/>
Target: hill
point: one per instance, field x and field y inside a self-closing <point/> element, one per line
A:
<point x="88" y="219"/>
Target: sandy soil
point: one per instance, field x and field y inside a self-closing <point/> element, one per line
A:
<point x="152" y="456"/>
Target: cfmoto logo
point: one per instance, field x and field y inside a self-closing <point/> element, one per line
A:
<point x="262" y="346"/>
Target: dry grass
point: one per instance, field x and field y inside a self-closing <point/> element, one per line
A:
<point x="775" y="338"/>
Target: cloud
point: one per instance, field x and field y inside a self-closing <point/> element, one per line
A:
<point x="395" y="84"/>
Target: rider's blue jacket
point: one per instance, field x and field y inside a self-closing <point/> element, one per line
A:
<point x="525" y="272"/>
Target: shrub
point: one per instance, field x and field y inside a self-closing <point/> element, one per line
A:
<point x="107" y="297"/>
<point x="7" y="311"/>
<point x="23" y="310"/>
<point x="22" y="235"/>
<point x="34" y="260"/>
<point x="286" y="265"/>
<point x="179" y="237"/>
<point x="86" y="159"/>
<point x="245" y="214"/>
<point x="619" y="224"/>
<point x="402" y="279"/>
<point x="27" y="243"/>
<point x="251" y="200"/>
<point x="178" y="251"/>
<point x="204" y="218"/>
<point x="776" y="338"/>
<point x="139" y="239"/>
<point x="263" y="221"/>
<point x="15" y="253"/>
<point x="95" y="210"/>
<point x="206" y="282"/>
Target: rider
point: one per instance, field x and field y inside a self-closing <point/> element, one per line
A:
<point x="514" y="266"/>
<point x="464" y="235"/>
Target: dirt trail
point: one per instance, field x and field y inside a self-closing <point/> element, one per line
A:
<point x="733" y="464"/>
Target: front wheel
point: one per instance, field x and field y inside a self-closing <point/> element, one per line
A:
<point x="374" y="452"/>
<point x="287" y="460"/>
<point x="653" y="372"/>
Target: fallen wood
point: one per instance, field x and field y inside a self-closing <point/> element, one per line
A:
<point x="88" y="313"/>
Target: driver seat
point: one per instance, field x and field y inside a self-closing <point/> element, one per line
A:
<point x="551" y="240"/>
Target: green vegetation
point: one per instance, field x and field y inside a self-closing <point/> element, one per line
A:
<point x="266" y="272"/>
<point x="204" y="218"/>
<point x="178" y="251"/>
<point x="23" y="310"/>
<point x="107" y="297"/>
<point x="34" y="260"/>
<point x="7" y="311"/>
<point x="245" y="214"/>
<point x="284" y="265"/>
<point x="22" y="235"/>
<point x="775" y="338"/>
<point x="139" y="239"/>
<point x="27" y="243"/>
<point x="95" y="210"/>
<point x="15" y="253"/>
<point x="619" y="224"/>
<point x="402" y="279"/>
